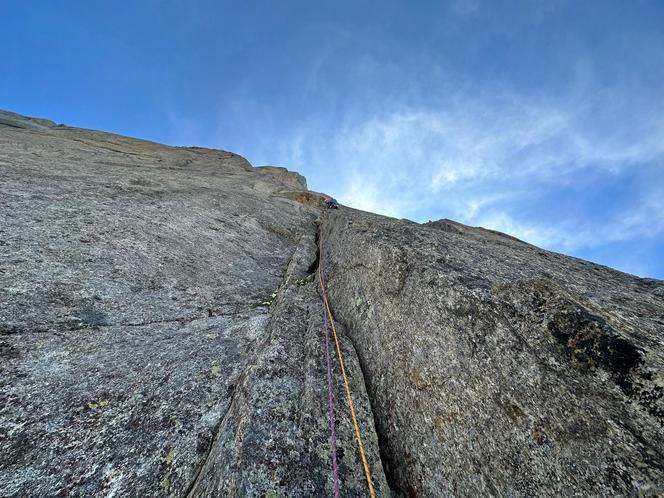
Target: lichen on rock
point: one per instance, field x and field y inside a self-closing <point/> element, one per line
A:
<point x="161" y="334"/>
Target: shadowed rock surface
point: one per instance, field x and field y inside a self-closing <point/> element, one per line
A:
<point x="161" y="335"/>
<point x="497" y="368"/>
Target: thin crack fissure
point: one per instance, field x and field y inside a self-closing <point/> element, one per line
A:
<point x="215" y="437"/>
<point x="381" y="439"/>
<point x="6" y="330"/>
<point x="260" y="343"/>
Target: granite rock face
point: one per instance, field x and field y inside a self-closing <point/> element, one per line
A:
<point x="160" y="328"/>
<point x="495" y="368"/>
<point x="161" y="334"/>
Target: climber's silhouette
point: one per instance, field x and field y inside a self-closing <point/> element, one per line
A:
<point x="331" y="203"/>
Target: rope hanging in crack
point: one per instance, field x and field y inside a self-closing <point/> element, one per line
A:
<point x="330" y="407"/>
<point x="349" y="396"/>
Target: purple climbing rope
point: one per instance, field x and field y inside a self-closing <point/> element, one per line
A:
<point x="330" y="408"/>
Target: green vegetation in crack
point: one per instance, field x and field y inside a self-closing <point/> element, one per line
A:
<point x="268" y="300"/>
<point x="306" y="280"/>
<point x="93" y="405"/>
<point x="169" y="458"/>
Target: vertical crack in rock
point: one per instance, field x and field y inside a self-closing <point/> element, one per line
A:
<point x="474" y="385"/>
<point x="346" y="335"/>
<point x="387" y="467"/>
<point x="205" y="461"/>
<point x="480" y="365"/>
<point x="290" y="272"/>
<point x="313" y="267"/>
<point x="274" y="439"/>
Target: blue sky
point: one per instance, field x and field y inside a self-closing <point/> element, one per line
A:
<point x="542" y="119"/>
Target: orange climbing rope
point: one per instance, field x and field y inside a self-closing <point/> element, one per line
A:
<point x="349" y="396"/>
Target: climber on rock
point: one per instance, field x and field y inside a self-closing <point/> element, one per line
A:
<point x="331" y="203"/>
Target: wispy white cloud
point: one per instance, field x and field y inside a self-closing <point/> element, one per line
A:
<point x="477" y="160"/>
<point x="646" y="221"/>
<point x="424" y="140"/>
<point x="465" y="7"/>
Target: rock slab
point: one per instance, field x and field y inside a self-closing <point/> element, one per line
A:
<point x="161" y="334"/>
<point x="495" y="368"/>
<point x="160" y="329"/>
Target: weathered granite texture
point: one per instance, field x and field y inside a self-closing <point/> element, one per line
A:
<point x="142" y="352"/>
<point x="495" y="368"/>
<point x="161" y="335"/>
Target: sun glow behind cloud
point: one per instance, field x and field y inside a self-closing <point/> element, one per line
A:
<point x="504" y="162"/>
<point x="520" y="117"/>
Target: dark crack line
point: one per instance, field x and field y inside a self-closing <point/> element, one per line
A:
<point x="64" y="327"/>
<point x="380" y="438"/>
<point x="259" y="344"/>
<point x="191" y="489"/>
<point x="184" y="320"/>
